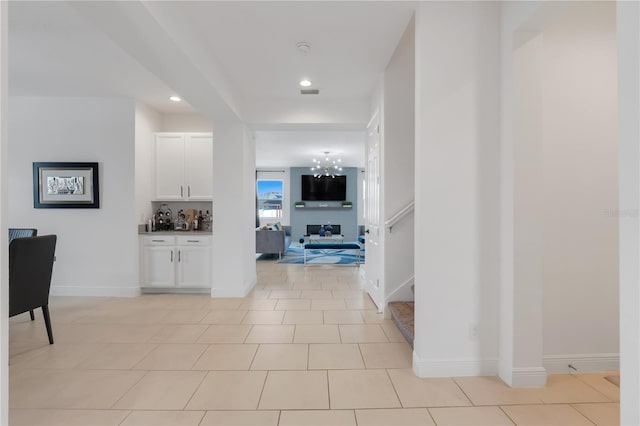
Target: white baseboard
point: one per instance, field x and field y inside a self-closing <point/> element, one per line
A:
<point x="454" y="367"/>
<point x="402" y="293"/>
<point x="374" y="294"/>
<point x="95" y="291"/>
<point x="235" y="291"/>
<point x="175" y="290"/>
<point x="527" y="377"/>
<point x="249" y="285"/>
<point x="584" y="363"/>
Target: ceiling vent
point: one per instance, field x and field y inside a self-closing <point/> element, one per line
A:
<point x="309" y="92"/>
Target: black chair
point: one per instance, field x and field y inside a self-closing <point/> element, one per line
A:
<point x="30" y="267"/>
<point x="23" y="233"/>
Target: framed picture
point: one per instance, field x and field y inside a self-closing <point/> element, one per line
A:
<point x="65" y="186"/>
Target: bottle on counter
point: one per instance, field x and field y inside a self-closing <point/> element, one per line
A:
<point x="209" y="220"/>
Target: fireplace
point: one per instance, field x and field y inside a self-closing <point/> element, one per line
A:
<point x="315" y="229"/>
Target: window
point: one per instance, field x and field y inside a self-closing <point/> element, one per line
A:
<point x="270" y="198"/>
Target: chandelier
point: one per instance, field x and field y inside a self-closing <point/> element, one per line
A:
<point x="326" y="166"/>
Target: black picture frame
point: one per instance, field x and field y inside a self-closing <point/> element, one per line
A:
<point x="62" y="185"/>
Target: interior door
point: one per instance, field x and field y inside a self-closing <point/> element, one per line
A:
<point x="374" y="256"/>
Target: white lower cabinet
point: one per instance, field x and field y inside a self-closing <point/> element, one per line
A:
<point x="178" y="262"/>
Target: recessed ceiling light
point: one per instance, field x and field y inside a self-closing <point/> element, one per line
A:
<point x="303" y="47"/>
<point x="305" y="83"/>
<point x="174" y="98"/>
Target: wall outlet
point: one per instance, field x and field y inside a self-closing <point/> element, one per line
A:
<point x="473" y="331"/>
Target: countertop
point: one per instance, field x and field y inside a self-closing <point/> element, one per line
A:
<point x="173" y="233"/>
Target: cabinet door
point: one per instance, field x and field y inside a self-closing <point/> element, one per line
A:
<point x="194" y="266"/>
<point x="199" y="167"/>
<point x="169" y="167"/>
<point x="159" y="266"/>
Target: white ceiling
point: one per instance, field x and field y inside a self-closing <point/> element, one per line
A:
<point x="53" y="51"/>
<point x="255" y="43"/>
<point x="235" y="52"/>
<point x="298" y="148"/>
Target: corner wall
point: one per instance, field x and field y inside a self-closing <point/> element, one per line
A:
<point x="234" y="206"/>
<point x="97" y="248"/>
<point x="579" y="184"/>
<point x="398" y="167"/>
<point x="147" y="121"/>
<point x="457" y="198"/>
<point x="628" y="38"/>
<point x="4" y="249"/>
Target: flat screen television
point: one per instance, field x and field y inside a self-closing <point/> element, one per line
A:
<point x="324" y="188"/>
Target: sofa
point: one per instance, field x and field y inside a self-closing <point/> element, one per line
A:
<point x="273" y="242"/>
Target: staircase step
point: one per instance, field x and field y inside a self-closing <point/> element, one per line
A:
<point x="402" y="315"/>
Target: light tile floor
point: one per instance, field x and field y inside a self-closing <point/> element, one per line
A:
<point x="306" y="347"/>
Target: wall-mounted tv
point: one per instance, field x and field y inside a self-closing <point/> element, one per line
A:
<point x="324" y="188"/>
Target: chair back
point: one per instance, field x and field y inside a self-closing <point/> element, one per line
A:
<point x="21" y="233"/>
<point x="30" y="267"/>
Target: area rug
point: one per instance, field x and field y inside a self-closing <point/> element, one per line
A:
<point x="295" y="254"/>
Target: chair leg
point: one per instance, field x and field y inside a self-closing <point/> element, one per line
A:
<point x="47" y="322"/>
<point x="33" y="317"/>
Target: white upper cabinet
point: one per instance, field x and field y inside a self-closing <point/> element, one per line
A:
<point x="199" y="166"/>
<point x="183" y="166"/>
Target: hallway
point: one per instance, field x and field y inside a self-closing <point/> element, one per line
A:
<point x="305" y="347"/>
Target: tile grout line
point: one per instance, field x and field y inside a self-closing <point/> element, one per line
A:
<point x="264" y="384"/>
<point x="582" y="414"/>
<point x="112" y="406"/>
<point x="326" y="372"/>
<point x="431" y="415"/>
<point x="592" y="387"/>
<point x="126" y="417"/>
<point x="362" y="358"/>
<point x="506" y="414"/>
<point x="386" y="370"/>
<point x="463" y="392"/>
<point x="204" y="377"/>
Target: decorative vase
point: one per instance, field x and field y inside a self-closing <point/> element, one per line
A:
<point x="327" y="230"/>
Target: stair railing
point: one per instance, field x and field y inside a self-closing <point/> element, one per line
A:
<point x="391" y="222"/>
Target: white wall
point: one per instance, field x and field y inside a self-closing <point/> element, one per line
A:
<point x="398" y="166"/>
<point x="457" y="145"/>
<point x="580" y="166"/>
<point x="628" y="36"/>
<point x="185" y="123"/>
<point x="4" y="255"/>
<point x="234" y="201"/>
<point x="527" y="213"/>
<point x="97" y="248"/>
<point x="147" y="121"/>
